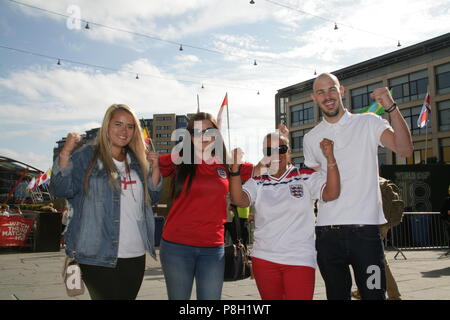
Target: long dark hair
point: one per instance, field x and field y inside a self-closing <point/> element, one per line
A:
<point x="185" y="171"/>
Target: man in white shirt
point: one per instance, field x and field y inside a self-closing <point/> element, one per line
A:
<point x="347" y="228"/>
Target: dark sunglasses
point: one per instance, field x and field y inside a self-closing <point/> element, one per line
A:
<point x="280" y="150"/>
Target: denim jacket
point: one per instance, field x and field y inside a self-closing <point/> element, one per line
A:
<point x="92" y="237"/>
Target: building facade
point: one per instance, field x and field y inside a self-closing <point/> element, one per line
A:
<point x="410" y="73"/>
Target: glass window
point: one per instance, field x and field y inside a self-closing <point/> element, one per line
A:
<point x="298" y="161"/>
<point x="444" y="150"/>
<point x="411" y="115"/>
<point x="444" y="115"/>
<point x="382" y="156"/>
<point x="409" y="87"/>
<point x="297" y="140"/>
<point x="302" y="113"/>
<point x="443" y="78"/>
<point x="360" y="97"/>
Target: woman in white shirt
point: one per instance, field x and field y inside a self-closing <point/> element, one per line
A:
<point x="284" y="255"/>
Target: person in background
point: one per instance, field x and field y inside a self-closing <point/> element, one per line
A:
<point x="4" y="210"/>
<point x="111" y="186"/>
<point x="16" y="210"/>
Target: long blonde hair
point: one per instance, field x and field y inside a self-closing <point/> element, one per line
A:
<point x="103" y="150"/>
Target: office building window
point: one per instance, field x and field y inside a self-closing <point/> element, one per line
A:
<point x="302" y="113"/>
<point x="444" y="150"/>
<point x="411" y="115"/>
<point x="163" y="135"/>
<point x="360" y="97"/>
<point x="444" y="115"/>
<point x="298" y="161"/>
<point x="162" y="127"/>
<point x="163" y="118"/>
<point x="297" y="140"/>
<point x="409" y="87"/>
<point x="443" y="78"/>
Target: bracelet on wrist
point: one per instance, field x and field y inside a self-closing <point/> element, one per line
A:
<point x="392" y="108"/>
<point x="235" y="174"/>
<point x="331" y="165"/>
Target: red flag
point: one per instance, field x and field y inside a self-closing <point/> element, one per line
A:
<point x="426" y="109"/>
<point x="224" y="104"/>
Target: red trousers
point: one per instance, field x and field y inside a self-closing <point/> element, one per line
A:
<point x="283" y="282"/>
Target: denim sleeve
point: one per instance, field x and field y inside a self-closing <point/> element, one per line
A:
<point x="155" y="191"/>
<point x="67" y="182"/>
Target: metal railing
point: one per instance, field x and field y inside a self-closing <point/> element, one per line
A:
<point x="418" y="231"/>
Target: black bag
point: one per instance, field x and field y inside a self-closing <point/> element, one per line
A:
<point x="237" y="261"/>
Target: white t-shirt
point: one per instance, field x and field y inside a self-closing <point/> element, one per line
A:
<point x="284" y="221"/>
<point x="356" y="139"/>
<point x="131" y="210"/>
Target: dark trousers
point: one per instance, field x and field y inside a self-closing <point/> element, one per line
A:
<point x="359" y="247"/>
<point x="120" y="283"/>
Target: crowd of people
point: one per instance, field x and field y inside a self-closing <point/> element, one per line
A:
<point x="112" y="185"/>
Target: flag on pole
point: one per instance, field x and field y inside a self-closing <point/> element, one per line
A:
<point x="224" y="104"/>
<point x="426" y="109"/>
<point x="31" y="184"/>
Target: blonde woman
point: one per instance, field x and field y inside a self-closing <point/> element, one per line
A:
<point x="111" y="186"/>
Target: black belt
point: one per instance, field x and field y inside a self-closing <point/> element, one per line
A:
<point x="341" y="226"/>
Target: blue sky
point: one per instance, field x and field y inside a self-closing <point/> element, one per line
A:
<point x="40" y="102"/>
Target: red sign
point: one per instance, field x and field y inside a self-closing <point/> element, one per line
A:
<point x="14" y="231"/>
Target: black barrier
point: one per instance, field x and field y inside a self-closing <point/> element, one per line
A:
<point x="419" y="230"/>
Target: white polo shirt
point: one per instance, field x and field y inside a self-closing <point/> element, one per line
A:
<point x="284" y="220"/>
<point x="131" y="244"/>
<point x="356" y="139"/>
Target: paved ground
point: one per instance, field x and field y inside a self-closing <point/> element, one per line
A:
<point x="37" y="276"/>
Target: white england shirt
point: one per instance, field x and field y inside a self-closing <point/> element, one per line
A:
<point x="131" y="211"/>
<point x="356" y="139"/>
<point x="284" y="221"/>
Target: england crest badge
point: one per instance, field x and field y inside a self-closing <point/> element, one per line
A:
<point x="296" y="190"/>
<point x="221" y="172"/>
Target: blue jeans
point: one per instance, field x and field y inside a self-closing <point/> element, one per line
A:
<point x="182" y="263"/>
<point x="360" y="247"/>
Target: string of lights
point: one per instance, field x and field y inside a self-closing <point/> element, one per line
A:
<point x="137" y="75"/>
<point x="282" y="5"/>
<point x="181" y="46"/>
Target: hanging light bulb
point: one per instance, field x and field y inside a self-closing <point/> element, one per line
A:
<point x="181" y="47"/>
<point x="335" y="26"/>
<point x="87" y="25"/>
<point x="257" y="93"/>
<point x="59" y="62"/>
<point x="203" y="87"/>
<point x="137" y="76"/>
<point x="315" y="72"/>
<point x="398" y="44"/>
<point x="254" y="63"/>
<point x="252" y="2"/>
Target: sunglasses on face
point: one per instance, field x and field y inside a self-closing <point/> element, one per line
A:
<point x="279" y="150"/>
<point x="207" y="131"/>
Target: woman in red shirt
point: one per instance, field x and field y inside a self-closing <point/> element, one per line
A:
<point x="192" y="245"/>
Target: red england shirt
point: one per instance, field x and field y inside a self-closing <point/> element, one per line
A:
<point x="197" y="218"/>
